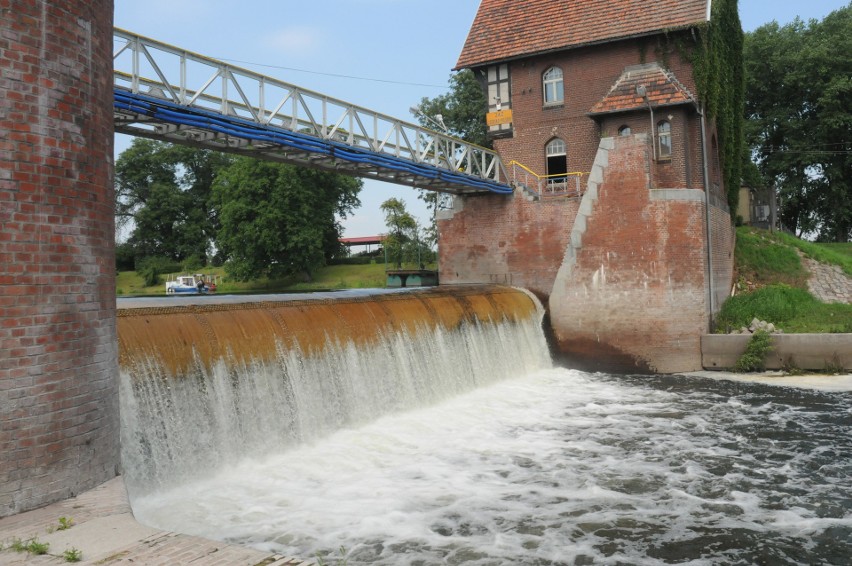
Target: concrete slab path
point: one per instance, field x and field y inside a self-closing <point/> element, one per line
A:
<point x="105" y="533"/>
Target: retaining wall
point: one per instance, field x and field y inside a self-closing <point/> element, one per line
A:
<point x="802" y="351"/>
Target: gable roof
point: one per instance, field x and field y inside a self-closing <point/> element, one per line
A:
<point x="508" y="29"/>
<point x="661" y="88"/>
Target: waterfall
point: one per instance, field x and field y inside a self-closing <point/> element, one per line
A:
<point x="178" y="429"/>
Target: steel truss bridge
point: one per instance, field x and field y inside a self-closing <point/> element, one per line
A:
<point x="170" y="94"/>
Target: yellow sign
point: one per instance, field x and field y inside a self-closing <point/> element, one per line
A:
<point x="499" y="117"/>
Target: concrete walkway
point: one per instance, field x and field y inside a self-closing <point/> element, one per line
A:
<point x="106" y="533"/>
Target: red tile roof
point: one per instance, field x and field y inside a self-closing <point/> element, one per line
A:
<point x="661" y="88"/>
<point x="507" y="29"/>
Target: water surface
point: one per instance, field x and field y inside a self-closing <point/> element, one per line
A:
<point x="548" y="467"/>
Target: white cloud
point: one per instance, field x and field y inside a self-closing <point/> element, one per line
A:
<point x="294" y="38"/>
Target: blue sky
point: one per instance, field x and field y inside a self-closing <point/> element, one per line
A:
<point x="395" y="51"/>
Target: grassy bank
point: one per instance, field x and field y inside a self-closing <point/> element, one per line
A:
<point x="772" y="284"/>
<point x="129" y="283"/>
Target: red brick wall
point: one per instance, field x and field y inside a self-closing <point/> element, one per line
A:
<point x="505" y="240"/>
<point x="637" y="298"/>
<point x="588" y="76"/>
<point x="58" y="364"/>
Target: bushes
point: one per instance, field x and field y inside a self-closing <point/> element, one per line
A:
<point x="150" y="268"/>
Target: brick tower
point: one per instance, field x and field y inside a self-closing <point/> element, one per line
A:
<point x="58" y="363"/>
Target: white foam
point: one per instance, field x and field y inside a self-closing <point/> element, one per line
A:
<point x="553" y="466"/>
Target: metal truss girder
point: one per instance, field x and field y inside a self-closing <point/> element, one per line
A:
<point x="164" y="92"/>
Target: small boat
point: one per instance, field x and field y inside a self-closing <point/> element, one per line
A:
<point x="197" y="284"/>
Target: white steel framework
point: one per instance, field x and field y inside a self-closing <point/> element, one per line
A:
<point x="167" y="93"/>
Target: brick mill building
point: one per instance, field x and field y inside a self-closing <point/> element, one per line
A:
<point x="619" y="222"/>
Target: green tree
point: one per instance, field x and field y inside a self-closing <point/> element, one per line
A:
<point x="799" y="120"/>
<point x="462" y="111"/>
<point x="402" y="242"/>
<point x="278" y="220"/>
<point x="163" y="197"/>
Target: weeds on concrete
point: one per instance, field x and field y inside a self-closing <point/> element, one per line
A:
<point x="72" y="555"/>
<point x="789" y="367"/>
<point x="755" y="352"/>
<point x="65" y="523"/>
<point x="834" y="367"/>
<point x="31" y="546"/>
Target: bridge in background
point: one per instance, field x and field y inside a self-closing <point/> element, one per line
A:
<point x="170" y="94"/>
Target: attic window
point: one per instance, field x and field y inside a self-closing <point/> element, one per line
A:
<point x="554" y="92"/>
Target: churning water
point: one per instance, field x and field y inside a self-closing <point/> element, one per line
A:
<point x="466" y="447"/>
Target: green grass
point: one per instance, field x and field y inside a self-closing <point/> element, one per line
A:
<point x="129" y="283"/>
<point x="792" y="309"/>
<point x="836" y="254"/>
<point x="773" y="285"/>
<point x="762" y="259"/>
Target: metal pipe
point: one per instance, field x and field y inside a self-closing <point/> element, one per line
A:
<point x="708" y="231"/>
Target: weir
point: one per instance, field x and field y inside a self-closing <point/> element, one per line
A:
<point x="204" y="385"/>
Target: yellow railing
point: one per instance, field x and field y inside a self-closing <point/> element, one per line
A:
<point x="559" y="184"/>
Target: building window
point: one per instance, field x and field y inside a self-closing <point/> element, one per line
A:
<point x="557" y="161"/>
<point x="498" y="90"/>
<point x="664" y="140"/>
<point x="624" y="131"/>
<point x="553" y="90"/>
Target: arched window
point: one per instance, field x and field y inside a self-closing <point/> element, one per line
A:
<point x="624" y="131"/>
<point x="554" y="92"/>
<point x="664" y="140"/>
<point x="557" y="161"/>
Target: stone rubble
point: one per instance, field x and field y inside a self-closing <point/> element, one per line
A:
<point x="828" y="283"/>
<point x="758" y="325"/>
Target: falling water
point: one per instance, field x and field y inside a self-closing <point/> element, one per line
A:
<point x="466" y="447"/>
<point x="174" y="430"/>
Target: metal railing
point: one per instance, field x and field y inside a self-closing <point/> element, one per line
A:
<point x="559" y="185"/>
<point x="235" y="109"/>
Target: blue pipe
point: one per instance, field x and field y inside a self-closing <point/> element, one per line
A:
<point x="237" y="127"/>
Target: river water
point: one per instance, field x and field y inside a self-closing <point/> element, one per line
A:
<point x="498" y="458"/>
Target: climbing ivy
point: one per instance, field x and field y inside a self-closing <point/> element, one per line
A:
<point x="717" y="64"/>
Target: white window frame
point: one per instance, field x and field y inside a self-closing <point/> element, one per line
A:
<point x="553" y="86"/>
<point x="664" y="140"/>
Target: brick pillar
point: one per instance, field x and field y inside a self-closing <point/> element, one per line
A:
<point x="58" y="363"/>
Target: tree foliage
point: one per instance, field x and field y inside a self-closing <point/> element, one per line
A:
<point x="799" y="120"/>
<point x="402" y="244"/>
<point x="462" y="111"/>
<point x="163" y="197"/>
<point x="277" y="219"/>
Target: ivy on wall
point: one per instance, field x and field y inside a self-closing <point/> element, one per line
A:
<point x="718" y="66"/>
